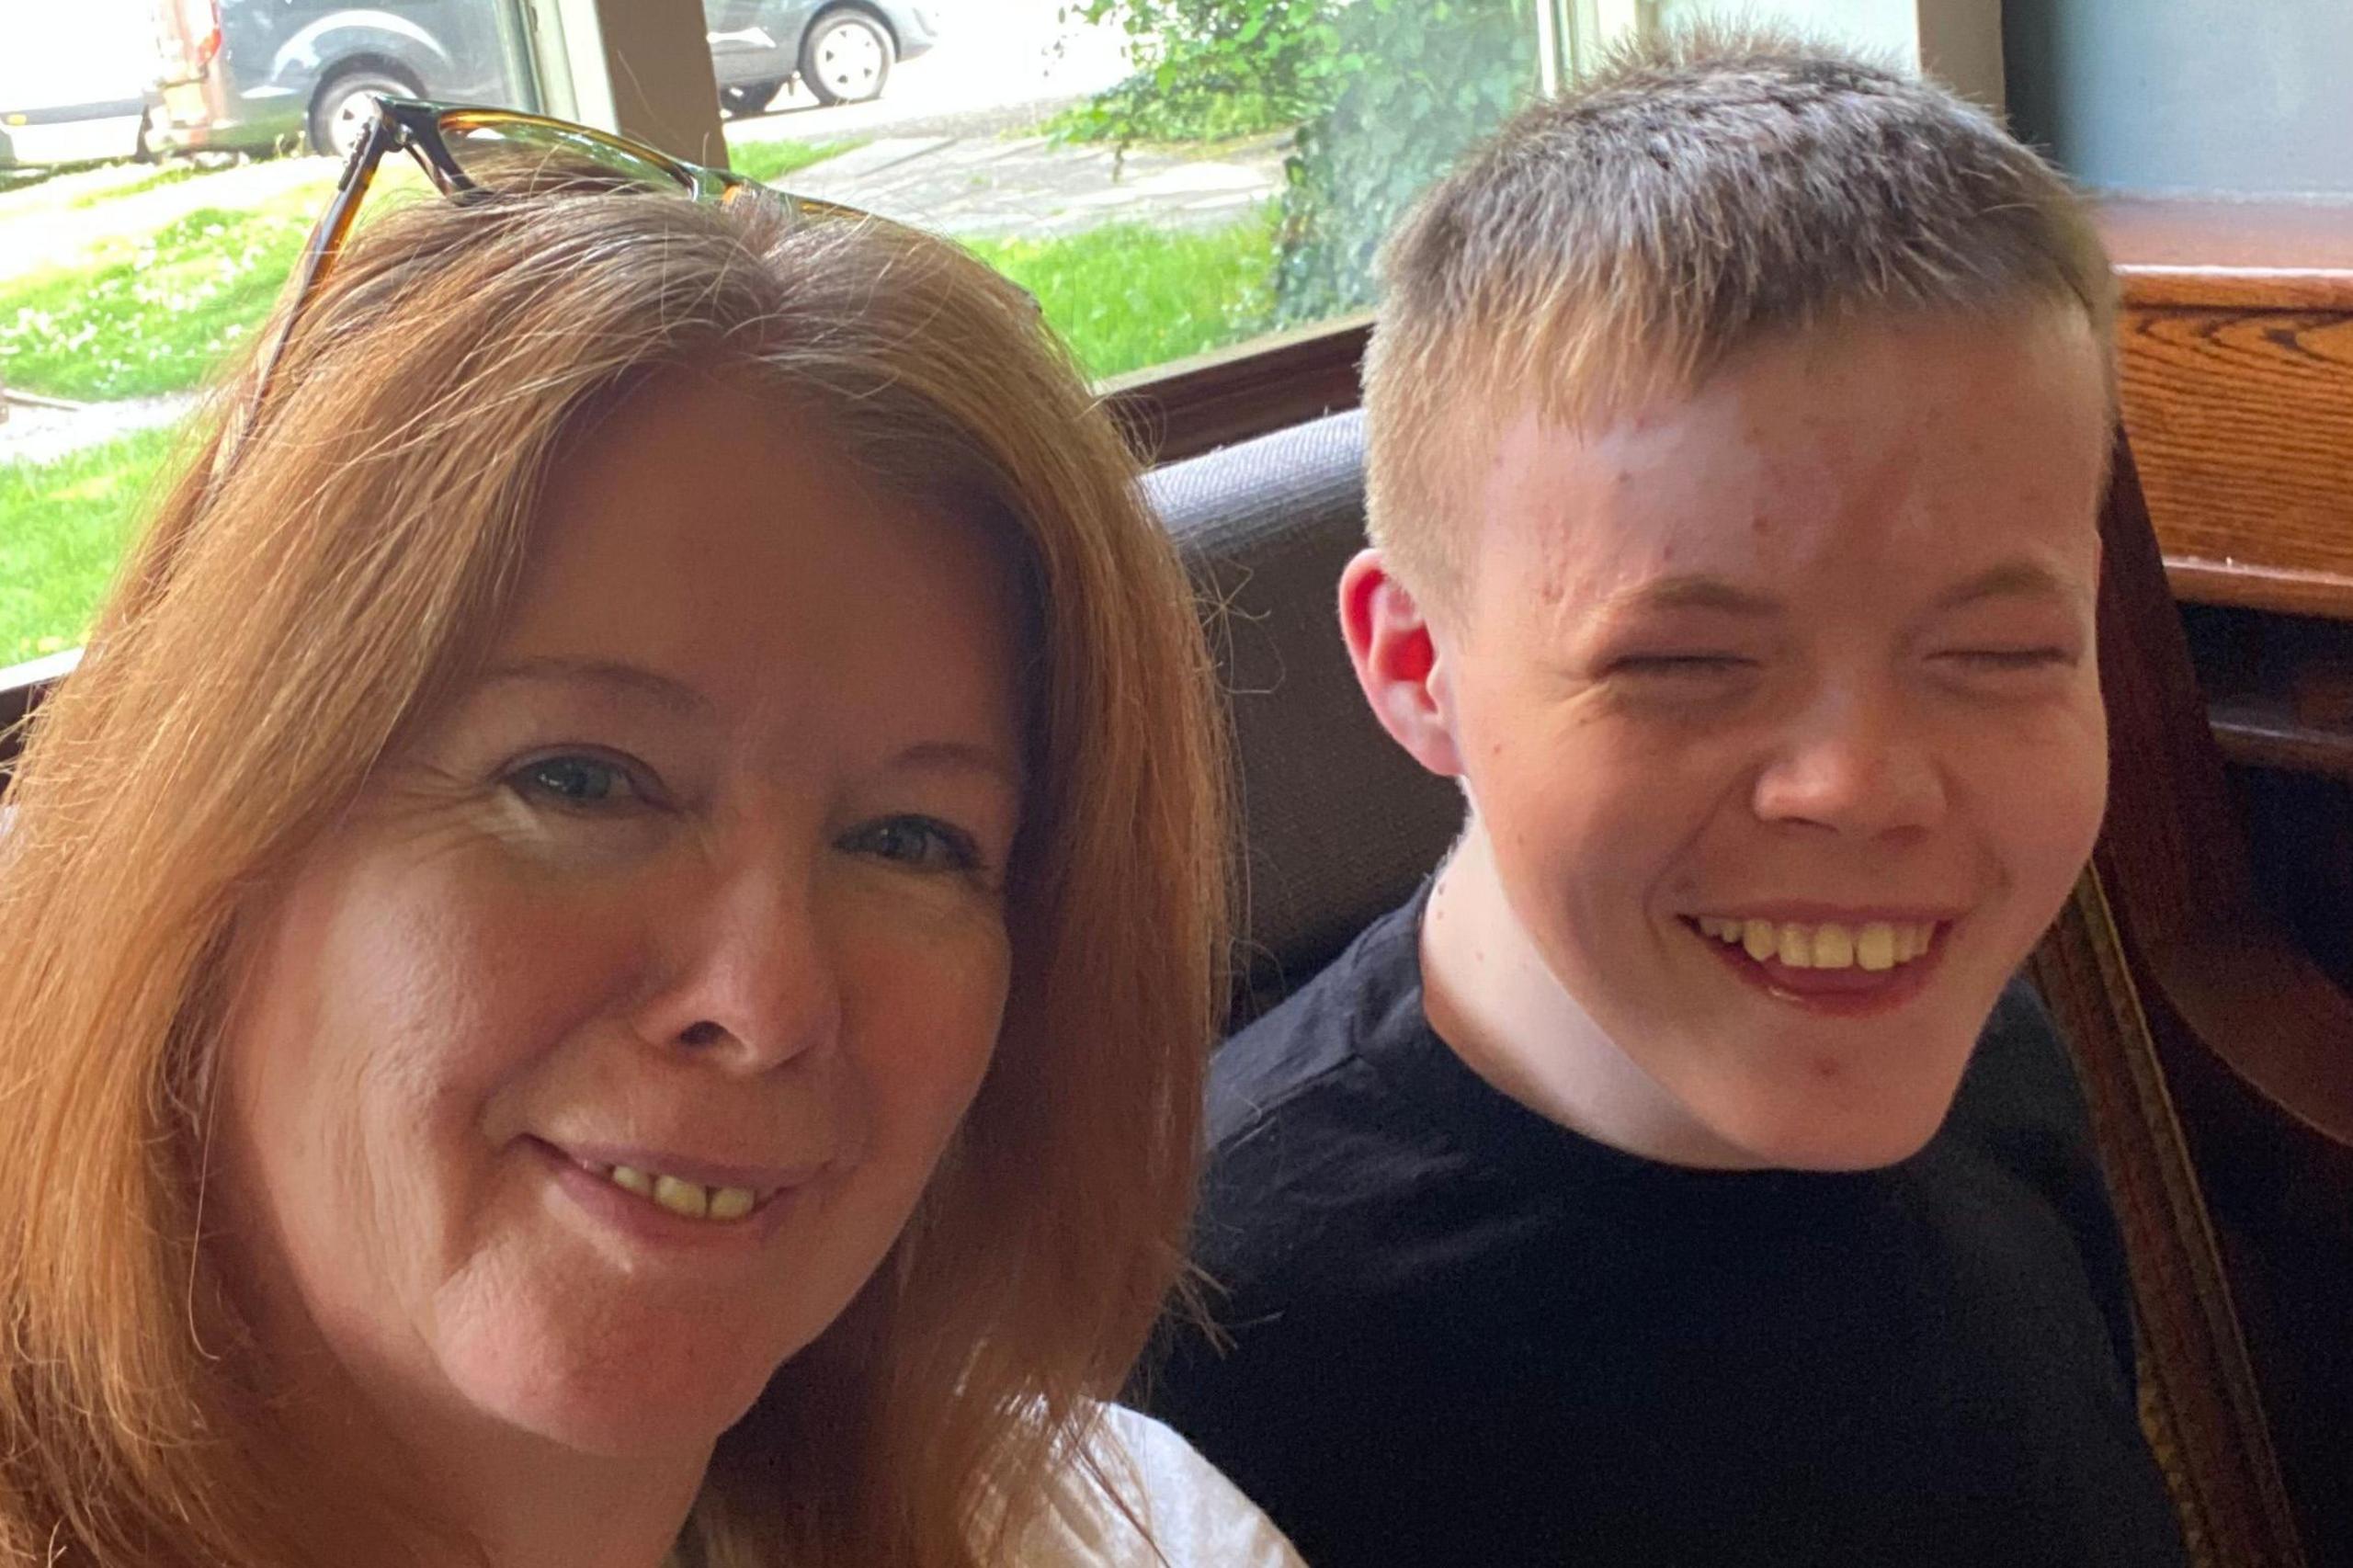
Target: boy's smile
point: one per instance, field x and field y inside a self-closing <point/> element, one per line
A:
<point x="1779" y="711"/>
<point x="1853" y="964"/>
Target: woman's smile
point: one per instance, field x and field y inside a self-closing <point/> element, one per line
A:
<point x="664" y="1211"/>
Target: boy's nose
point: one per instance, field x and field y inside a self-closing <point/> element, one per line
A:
<point x="1853" y="769"/>
<point x="750" y="977"/>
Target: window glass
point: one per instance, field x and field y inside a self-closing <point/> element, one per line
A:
<point x="1169" y="177"/>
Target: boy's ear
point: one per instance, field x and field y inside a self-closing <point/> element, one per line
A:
<point x="1398" y="662"/>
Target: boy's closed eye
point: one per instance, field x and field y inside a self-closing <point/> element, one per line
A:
<point x="1680" y="664"/>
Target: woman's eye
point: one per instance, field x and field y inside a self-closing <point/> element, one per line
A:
<point x="576" y="781"/>
<point x="923" y="843"/>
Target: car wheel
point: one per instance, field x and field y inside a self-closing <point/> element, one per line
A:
<point x="749" y="98"/>
<point x="845" y="57"/>
<point x="340" y="109"/>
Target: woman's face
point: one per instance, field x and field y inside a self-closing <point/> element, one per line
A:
<point x="583" y="1072"/>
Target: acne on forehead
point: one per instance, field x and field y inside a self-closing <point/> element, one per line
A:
<point x="1910" y="425"/>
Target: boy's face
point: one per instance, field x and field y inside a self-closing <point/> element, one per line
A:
<point x="1757" y="692"/>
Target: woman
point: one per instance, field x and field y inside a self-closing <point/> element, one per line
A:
<point x="606" y="960"/>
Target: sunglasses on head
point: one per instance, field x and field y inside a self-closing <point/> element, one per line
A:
<point x="472" y="154"/>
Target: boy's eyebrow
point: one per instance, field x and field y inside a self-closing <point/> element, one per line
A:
<point x="2028" y="579"/>
<point x="1689" y="591"/>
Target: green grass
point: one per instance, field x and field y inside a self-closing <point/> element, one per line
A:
<point x="152" y="315"/>
<point x="1127" y="295"/>
<point x="768" y="161"/>
<point x="63" y="526"/>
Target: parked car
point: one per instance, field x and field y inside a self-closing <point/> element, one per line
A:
<point x="251" y="75"/>
<point x="69" y="83"/>
<point x="842" y="50"/>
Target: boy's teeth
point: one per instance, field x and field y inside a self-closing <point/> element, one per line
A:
<point x="692" y="1200"/>
<point x="1876" y="945"/>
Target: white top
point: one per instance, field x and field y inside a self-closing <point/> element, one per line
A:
<point x="1197" y="1517"/>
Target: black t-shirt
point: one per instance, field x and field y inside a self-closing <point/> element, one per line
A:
<point x="1462" y="1335"/>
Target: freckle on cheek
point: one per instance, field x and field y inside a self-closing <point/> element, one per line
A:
<point x="1825" y="1068"/>
<point x="1760" y="524"/>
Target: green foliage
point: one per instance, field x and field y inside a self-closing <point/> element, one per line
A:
<point x="1127" y="295"/>
<point x="1449" y="72"/>
<point x="63" y="525"/>
<point x="1210" y="69"/>
<point x="1386" y="95"/>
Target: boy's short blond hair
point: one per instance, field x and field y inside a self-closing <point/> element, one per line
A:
<point x="1693" y="196"/>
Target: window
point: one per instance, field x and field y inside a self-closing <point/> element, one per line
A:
<point x="1172" y="178"/>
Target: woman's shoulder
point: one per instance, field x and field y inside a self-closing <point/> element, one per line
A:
<point x="1145" y="1474"/>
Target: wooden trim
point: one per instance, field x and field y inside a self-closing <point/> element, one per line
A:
<point x="2160" y="243"/>
<point x="1178" y="411"/>
<point x="2236" y="287"/>
<point x="2255" y="734"/>
<point x="2235" y="362"/>
<point x="2199" y="1399"/>
<point x="2283" y="590"/>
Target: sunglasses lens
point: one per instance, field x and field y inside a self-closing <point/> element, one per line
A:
<point x="519" y="156"/>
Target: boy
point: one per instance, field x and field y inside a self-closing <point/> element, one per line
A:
<point x="1736" y="429"/>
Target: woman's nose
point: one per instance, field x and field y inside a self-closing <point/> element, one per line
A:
<point x="751" y="979"/>
<point x="1854" y="765"/>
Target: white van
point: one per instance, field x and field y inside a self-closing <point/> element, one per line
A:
<point x="74" y="80"/>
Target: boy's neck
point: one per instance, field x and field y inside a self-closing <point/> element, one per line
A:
<point x="1492" y="1000"/>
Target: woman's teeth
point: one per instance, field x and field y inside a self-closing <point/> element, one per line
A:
<point x="690" y="1198"/>
<point x="1878" y="944"/>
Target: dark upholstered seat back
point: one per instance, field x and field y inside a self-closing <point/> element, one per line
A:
<point x="1338" y="824"/>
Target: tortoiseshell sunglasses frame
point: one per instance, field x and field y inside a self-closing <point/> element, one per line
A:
<point x="422" y="129"/>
